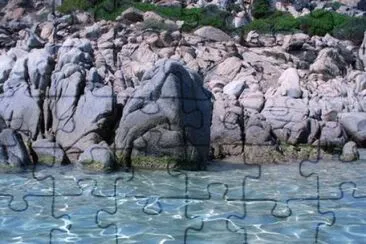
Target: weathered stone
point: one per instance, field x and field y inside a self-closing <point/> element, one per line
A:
<point x="13" y="152"/>
<point x="234" y="88"/>
<point x="49" y="153"/>
<point x="329" y="63"/>
<point x="98" y="157"/>
<point x="349" y="152"/>
<point x="290" y="84"/>
<point x="213" y="34"/>
<point x="169" y="114"/>
<point x="355" y="125"/>
<point x="133" y="15"/>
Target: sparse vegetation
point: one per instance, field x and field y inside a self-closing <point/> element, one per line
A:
<point x="319" y="22"/>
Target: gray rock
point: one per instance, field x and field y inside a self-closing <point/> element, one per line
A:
<point x="258" y="131"/>
<point x="133" y="15"/>
<point x="350" y="152"/>
<point x="98" y="157"/>
<point x="252" y="100"/>
<point x="362" y="51"/>
<point x="21" y="110"/>
<point x="329" y="63"/>
<point x="6" y="65"/>
<point x="40" y="66"/>
<point x="82" y="113"/>
<point x="213" y="34"/>
<point x="295" y="41"/>
<point x="92" y="32"/>
<point x="355" y="125"/>
<point x="290" y="84"/>
<point x="13" y="152"/>
<point x="49" y="153"/>
<point x="234" y="88"/>
<point x="288" y="118"/>
<point x="169" y="114"/>
<point x="226" y="128"/>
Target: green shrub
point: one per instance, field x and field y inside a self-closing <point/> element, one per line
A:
<point x="261" y="9"/>
<point x="319" y="22"/>
<point x="353" y="29"/>
<point x="69" y="6"/>
<point x="284" y="22"/>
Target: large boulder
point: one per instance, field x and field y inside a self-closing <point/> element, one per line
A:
<point x="80" y="111"/>
<point x="98" y="157"/>
<point x="288" y="118"/>
<point x="330" y="63"/>
<point x="13" y="152"/>
<point x="349" y="152"/>
<point x="49" y="153"/>
<point x="227" y="127"/>
<point x="355" y="125"/>
<point x="168" y="115"/>
<point x="213" y="34"/>
<point x="290" y="84"/>
<point x="19" y="106"/>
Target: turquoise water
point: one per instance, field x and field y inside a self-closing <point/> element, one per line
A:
<point x="230" y="203"/>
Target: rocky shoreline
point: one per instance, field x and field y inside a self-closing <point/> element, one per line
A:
<point x="111" y="94"/>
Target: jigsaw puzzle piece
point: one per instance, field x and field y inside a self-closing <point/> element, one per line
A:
<point x="267" y="187"/>
<point x="15" y="188"/>
<point x="138" y="220"/>
<point x="82" y="210"/>
<point x="23" y="226"/>
<point x="332" y="173"/>
<point x="350" y="222"/>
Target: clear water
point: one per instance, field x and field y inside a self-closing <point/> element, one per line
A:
<point x="234" y="203"/>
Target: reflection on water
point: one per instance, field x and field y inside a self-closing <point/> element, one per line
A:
<point x="234" y="203"/>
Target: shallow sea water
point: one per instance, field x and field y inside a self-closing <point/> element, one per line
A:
<point x="322" y="202"/>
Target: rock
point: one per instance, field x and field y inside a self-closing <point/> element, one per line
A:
<point x="362" y="51"/>
<point x="234" y="88"/>
<point x="226" y="70"/>
<point x="329" y="63"/>
<point x="47" y="30"/>
<point x="132" y="14"/>
<point x="13" y="152"/>
<point x="240" y="19"/>
<point x="49" y="153"/>
<point x="6" y="64"/>
<point x="91" y="32"/>
<point x="40" y="66"/>
<point x="252" y="39"/>
<point x="355" y="125"/>
<point x="290" y="84"/>
<point x="6" y="38"/>
<point x="152" y="16"/>
<point x="19" y="106"/>
<point x="349" y="152"/>
<point x="169" y="114"/>
<point x="81" y="114"/>
<point x="258" y="131"/>
<point x="98" y="157"/>
<point x="213" y="34"/>
<point x="295" y="41"/>
<point x="288" y="118"/>
<point x="227" y="127"/>
<point x="252" y="100"/>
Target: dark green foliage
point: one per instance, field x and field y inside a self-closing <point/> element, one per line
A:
<point x="353" y="29"/>
<point x="275" y="23"/>
<point x="261" y="9"/>
<point x="69" y="6"/>
<point x="319" y="22"/>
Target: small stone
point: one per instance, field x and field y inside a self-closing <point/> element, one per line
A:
<point x="350" y="152"/>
